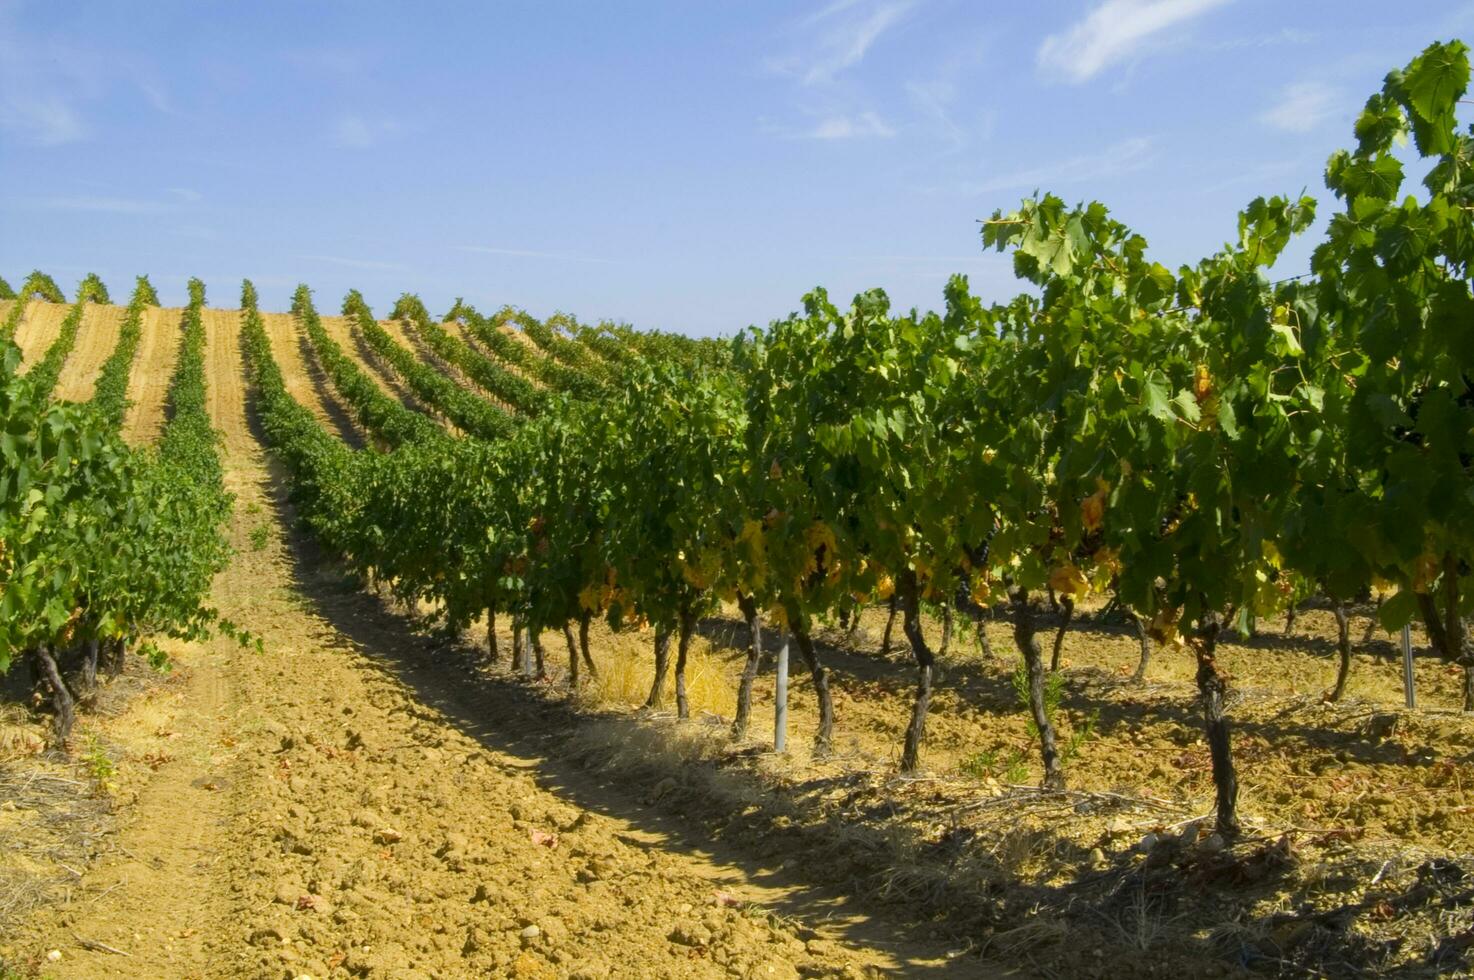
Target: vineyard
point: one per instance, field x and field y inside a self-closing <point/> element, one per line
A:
<point x="1094" y="600"/>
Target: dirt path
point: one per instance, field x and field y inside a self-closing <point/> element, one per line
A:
<point x="96" y="339"/>
<point x="153" y="365"/>
<point x="344" y="804"/>
<point x="38" y="327"/>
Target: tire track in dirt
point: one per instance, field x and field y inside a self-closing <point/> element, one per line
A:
<point x="96" y="338"/>
<point x="153" y="365"/>
<point x="39" y="326"/>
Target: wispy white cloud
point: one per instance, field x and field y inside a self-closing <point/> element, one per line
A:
<point x="1124" y="157"/>
<point x="103" y="205"/>
<point x="1260" y="174"/>
<point x="40" y="119"/>
<point x="1284" y="37"/>
<point x="935" y="99"/>
<point x="355" y="132"/>
<point x="846" y="40"/>
<point x="838" y="37"/>
<point x="344" y="61"/>
<point x="353" y="263"/>
<point x="920" y="259"/>
<point x="865" y="125"/>
<point x="178" y="199"/>
<point x="46" y="82"/>
<point x="1300" y="107"/>
<point x="1113" y="32"/>
<point x="525" y="253"/>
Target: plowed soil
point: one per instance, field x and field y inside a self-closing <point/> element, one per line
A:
<point x="96" y="338"/>
<point x="153" y="366"/>
<point x="38" y="327"/>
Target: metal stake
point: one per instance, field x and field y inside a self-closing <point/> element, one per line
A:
<point x="780" y="707"/>
<point x="1407" y="668"/>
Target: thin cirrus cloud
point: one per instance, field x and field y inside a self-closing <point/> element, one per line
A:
<point x="1301" y="107"/>
<point x="845" y="40"/>
<point x="355" y="132"/>
<point x="861" y="126"/>
<point x="1114" y="32"/>
<point x="838" y="37"/>
<point x="525" y="253"/>
<point x="102" y="205"/>
<point x="1124" y="157"/>
<point x="352" y="263"/>
<point x="41" y="120"/>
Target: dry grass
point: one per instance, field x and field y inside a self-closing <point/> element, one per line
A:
<point x="21" y="734"/>
<point x="627" y="671"/>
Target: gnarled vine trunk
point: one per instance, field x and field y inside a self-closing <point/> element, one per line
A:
<point x="946" y="644"/>
<point x="824" y="737"/>
<point x="662" y="664"/>
<point x="1213" y="691"/>
<point x="1343" y="647"/>
<point x="90" y="653"/>
<point x="583" y="645"/>
<point x="683" y="647"/>
<point x="492" y="653"/>
<point x="537" y="652"/>
<point x="983" y="641"/>
<point x="1454" y="633"/>
<point x="925" y="662"/>
<point x="749" y="671"/>
<point x="115" y="657"/>
<point x="1146" y="648"/>
<point x="1067" y="605"/>
<point x="572" y="657"/>
<point x="61" y="698"/>
<point x="1026" y="637"/>
<point x="890" y="626"/>
<point x="1428" y="606"/>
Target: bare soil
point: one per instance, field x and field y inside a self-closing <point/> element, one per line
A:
<point x="153" y="366"/>
<point x="96" y="337"/>
<point x="38" y="327"/>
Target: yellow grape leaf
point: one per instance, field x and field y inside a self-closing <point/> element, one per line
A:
<point x="1069" y="580"/>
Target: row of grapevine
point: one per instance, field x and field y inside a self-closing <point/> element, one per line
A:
<point x="48" y="370"/>
<point x="104" y="546"/>
<point x="110" y="395"/>
<point x="38" y="285"/>
<point x="1204" y="445"/>
<point x="505" y="386"/>
<point x="489" y="332"/>
<point x="468" y="412"/>
<point x="550" y="336"/>
<point x="381" y="415"/>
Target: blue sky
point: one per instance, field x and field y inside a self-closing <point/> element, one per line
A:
<point x="683" y="165"/>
